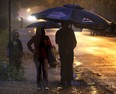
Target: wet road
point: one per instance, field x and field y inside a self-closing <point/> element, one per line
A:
<point x="97" y="53"/>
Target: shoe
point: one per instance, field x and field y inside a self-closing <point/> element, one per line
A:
<point x="46" y="88"/>
<point x="39" y="88"/>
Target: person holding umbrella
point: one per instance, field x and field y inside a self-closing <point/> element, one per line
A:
<point x="66" y="41"/>
<point x="41" y="45"/>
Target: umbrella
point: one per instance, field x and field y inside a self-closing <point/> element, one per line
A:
<point x="75" y="14"/>
<point x="45" y="25"/>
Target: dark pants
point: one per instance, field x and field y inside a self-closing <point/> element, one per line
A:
<point x="15" y="60"/>
<point x="42" y="70"/>
<point x="66" y="66"/>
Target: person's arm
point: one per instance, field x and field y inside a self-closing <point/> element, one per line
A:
<point x="56" y="37"/>
<point x="73" y="38"/>
<point x="29" y="44"/>
<point x="20" y="47"/>
<point x="75" y="41"/>
<point x="47" y="42"/>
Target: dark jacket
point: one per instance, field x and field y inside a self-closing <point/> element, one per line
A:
<point x="65" y="38"/>
<point x="15" y="47"/>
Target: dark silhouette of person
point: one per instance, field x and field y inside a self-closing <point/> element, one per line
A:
<point x="16" y="51"/>
<point x="66" y="41"/>
<point x="41" y="45"/>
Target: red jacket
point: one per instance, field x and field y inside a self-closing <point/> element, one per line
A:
<point x="40" y="46"/>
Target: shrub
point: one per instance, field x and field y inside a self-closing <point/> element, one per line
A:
<point x="10" y="73"/>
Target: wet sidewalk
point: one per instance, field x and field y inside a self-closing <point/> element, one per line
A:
<point x="86" y="82"/>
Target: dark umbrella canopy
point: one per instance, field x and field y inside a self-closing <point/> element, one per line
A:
<point x="74" y="14"/>
<point x="45" y="25"/>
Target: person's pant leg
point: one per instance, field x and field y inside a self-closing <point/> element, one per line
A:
<point x="45" y="69"/>
<point x="39" y="78"/>
<point x="63" y="67"/>
<point x="70" y="67"/>
<point x="18" y="62"/>
<point x="38" y="69"/>
<point x="45" y="72"/>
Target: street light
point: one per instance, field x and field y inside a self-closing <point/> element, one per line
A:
<point x="28" y="10"/>
<point x="31" y="18"/>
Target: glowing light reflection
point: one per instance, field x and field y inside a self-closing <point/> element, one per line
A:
<point x="31" y="18"/>
<point x="76" y="63"/>
<point x="94" y="38"/>
<point x="94" y="90"/>
<point x="92" y="49"/>
<point x="28" y="10"/>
